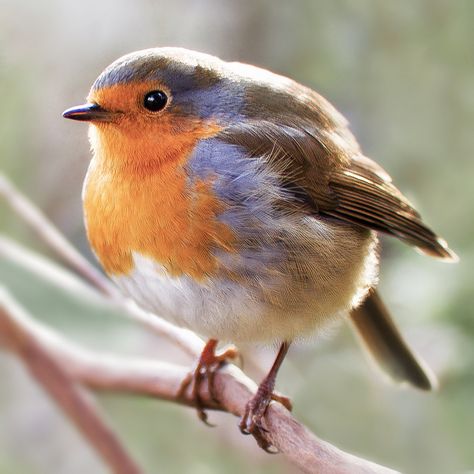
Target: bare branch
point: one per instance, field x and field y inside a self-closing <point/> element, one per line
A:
<point x="45" y="269"/>
<point x="162" y="380"/>
<point x="20" y="335"/>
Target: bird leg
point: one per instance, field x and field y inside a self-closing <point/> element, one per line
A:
<point x="251" y="422"/>
<point x="209" y="362"/>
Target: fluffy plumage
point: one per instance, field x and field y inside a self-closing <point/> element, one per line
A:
<point x="244" y="210"/>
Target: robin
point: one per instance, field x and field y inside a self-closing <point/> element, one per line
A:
<point x="236" y="202"/>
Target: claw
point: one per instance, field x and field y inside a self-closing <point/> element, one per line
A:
<point x="253" y="417"/>
<point x="208" y="364"/>
<point x="252" y="420"/>
<point x="194" y="380"/>
<point x="284" y="400"/>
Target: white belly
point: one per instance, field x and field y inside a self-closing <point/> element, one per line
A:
<point x="210" y="309"/>
<point x="280" y="306"/>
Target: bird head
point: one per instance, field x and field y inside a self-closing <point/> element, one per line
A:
<point x="160" y="99"/>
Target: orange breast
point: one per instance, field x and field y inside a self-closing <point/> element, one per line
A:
<point x="150" y="207"/>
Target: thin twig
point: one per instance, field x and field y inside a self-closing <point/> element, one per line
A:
<point x="162" y="380"/>
<point x="47" y="270"/>
<point x="51" y="236"/>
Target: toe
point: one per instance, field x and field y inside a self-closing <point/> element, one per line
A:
<point x="202" y="415"/>
<point x="264" y="444"/>
<point x="285" y="401"/>
<point x="228" y="353"/>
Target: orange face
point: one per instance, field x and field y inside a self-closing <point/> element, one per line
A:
<point x="140" y="137"/>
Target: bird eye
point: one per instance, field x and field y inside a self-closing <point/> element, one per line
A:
<point x="155" y="101"/>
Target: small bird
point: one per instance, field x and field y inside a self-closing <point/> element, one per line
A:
<point x="236" y="202"/>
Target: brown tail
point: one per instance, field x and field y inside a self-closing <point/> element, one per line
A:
<point x="386" y="346"/>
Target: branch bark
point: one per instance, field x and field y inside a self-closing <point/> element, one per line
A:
<point x="62" y="367"/>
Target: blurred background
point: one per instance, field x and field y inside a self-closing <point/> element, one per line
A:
<point x="403" y="73"/>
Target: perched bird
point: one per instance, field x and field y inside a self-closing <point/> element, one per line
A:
<point x="237" y="203"/>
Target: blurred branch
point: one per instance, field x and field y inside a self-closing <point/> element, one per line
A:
<point x="51" y="236"/>
<point x="47" y="270"/>
<point x="22" y="336"/>
<point x="64" y="368"/>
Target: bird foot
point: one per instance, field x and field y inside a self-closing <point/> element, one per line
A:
<point x="252" y="420"/>
<point x="208" y="364"/>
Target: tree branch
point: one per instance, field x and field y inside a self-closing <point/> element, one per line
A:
<point x="186" y="340"/>
<point x="50" y="235"/>
<point x="22" y="336"/>
<point x="60" y="366"/>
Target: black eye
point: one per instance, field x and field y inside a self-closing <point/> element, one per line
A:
<point x="155" y="101"/>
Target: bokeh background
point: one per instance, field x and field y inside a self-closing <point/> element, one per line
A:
<point x="403" y="73"/>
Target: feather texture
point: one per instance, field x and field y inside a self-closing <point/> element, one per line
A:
<point x="332" y="178"/>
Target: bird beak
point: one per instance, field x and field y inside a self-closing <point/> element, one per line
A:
<point x="89" y="113"/>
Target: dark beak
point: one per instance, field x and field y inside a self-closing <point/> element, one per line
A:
<point x="89" y="113"/>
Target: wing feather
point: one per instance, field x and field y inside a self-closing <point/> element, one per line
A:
<point x="327" y="170"/>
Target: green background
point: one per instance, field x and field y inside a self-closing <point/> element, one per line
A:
<point x="403" y="73"/>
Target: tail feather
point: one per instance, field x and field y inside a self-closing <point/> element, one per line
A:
<point x="386" y="346"/>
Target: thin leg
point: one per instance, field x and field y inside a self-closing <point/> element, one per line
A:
<point x="209" y="362"/>
<point x="251" y="422"/>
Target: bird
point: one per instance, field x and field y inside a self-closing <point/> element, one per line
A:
<point x="237" y="203"/>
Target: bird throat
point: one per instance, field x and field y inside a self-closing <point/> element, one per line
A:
<point x="150" y="207"/>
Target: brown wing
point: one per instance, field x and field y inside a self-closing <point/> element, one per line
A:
<point x="370" y="199"/>
<point x="325" y="168"/>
